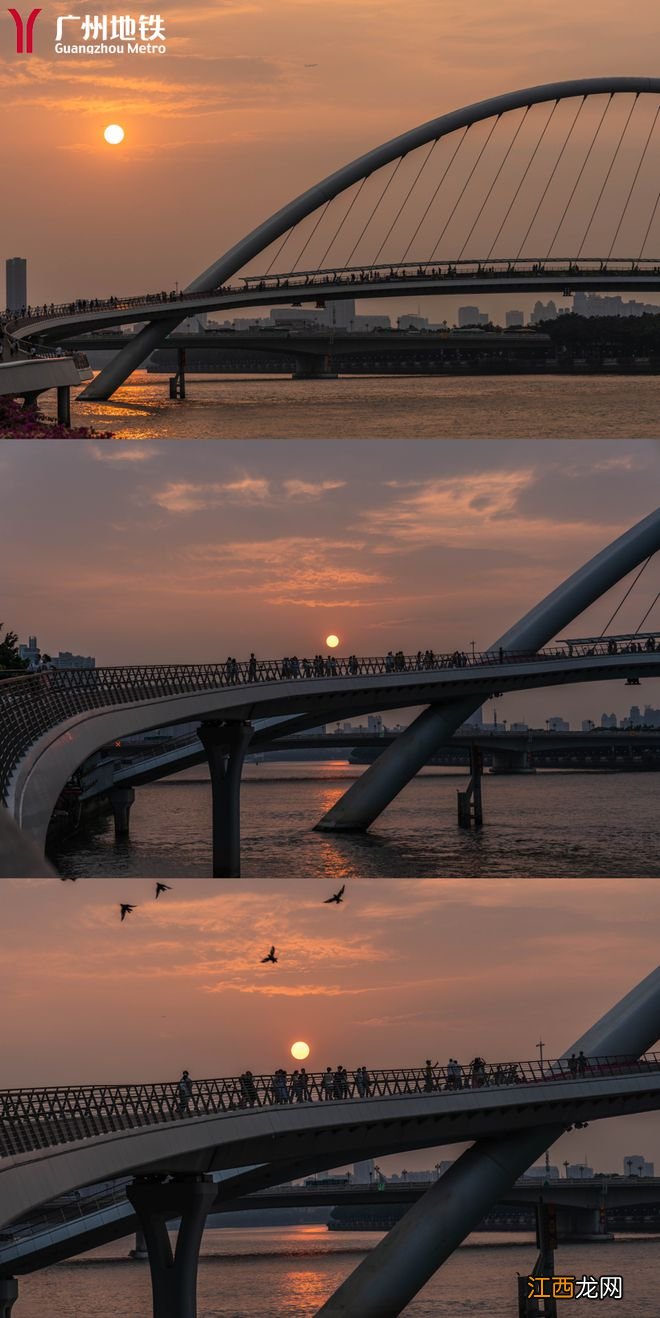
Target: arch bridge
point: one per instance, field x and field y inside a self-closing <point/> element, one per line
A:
<point x="550" y="188"/>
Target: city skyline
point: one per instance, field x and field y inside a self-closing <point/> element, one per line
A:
<point x="414" y="969"/>
<point x="193" y="552"/>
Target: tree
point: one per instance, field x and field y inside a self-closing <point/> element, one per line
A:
<point x="9" y="656"/>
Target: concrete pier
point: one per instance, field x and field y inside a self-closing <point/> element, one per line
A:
<point x="226" y="743"/>
<point x="121" y="800"/>
<point x="8" y="1295"/>
<point x="173" y="1275"/>
<point x="470" y="807"/>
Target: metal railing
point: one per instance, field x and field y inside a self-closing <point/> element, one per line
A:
<point x="33" y="1119"/>
<point x="556" y="267"/>
<point x="33" y="703"/>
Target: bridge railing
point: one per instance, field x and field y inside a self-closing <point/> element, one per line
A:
<point x="33" y="703"/>
<point x="31" y="1119"/>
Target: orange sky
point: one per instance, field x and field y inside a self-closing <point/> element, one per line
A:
<point x="400" y="971"/>
<point x="231" y="122"/>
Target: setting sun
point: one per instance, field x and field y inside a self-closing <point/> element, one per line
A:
<point x="332" y="641"/>
<point x="114" y="134"/>
<point x="300" y="1051"/>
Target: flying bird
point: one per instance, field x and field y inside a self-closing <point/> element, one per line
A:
<point x="125" y="908"/>
<point x="336" y="896"/>
<point x="271" y="957"/>
<point x="162" y="887"/>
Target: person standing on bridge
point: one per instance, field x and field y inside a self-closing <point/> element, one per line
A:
<point x="429" y="1076"/>
<point x="184" y="1094"/>
<point x="328" y="1084"/>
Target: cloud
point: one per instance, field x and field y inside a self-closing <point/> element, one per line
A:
<point x="188" y="497"/>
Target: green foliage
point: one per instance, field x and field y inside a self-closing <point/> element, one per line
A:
<point x="9" y="656"/>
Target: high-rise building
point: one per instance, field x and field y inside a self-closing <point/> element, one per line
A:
<point x="16" y="269"/>
<point x="557" y="724"/>
<point x="468" y="316"/>
<point x="363" y="1171"/>
<point x="514" y="319"/>
<point x="341" y="312"/>
<point x="636" y="1165"/>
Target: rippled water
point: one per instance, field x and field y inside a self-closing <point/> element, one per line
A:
<point x="288" y="1272"/>
<point x="248" y="407"/>
<point x="571" y="825"/>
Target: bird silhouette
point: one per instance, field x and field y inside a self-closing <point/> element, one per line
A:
<point x="271" y="957"/>
<point x="337" y="897"/>
<point x="125" y="908"/>
<point x="162" y="887"/>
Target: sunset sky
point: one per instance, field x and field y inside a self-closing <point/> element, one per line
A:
<point x="189" y="552"/>
<point x="401" y="971"/>
<point x="253" y="102"/>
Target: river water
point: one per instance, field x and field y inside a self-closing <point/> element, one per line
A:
<point x="543" y="825"/>
<point x="288" y="1272"/>
<point x="388" y="407"/>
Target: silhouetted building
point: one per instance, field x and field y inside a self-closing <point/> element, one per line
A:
<point x="468" y="316"/>
<point x="16" y="268"/>
<point x="514" y="319"/>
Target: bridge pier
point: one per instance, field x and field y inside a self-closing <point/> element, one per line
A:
<point x="315" y="367"/>
<point x="546" y="1242"/>
<point x="121" y="800"/>
<point x="139" y="1252"/>
<point x="64" y="404"/>
<point x="8" y="1295"/>
<point x="225" y="744"/>
<point x="470" y="809"/>
<point x="178" y="381"/>
<point x="173" y="1275"/>
<point x="512" y="762"/>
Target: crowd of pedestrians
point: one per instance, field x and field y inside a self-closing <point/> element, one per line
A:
<point x="338" y="1083"/>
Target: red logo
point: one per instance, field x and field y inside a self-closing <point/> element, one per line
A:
<point x="24" y="30"/>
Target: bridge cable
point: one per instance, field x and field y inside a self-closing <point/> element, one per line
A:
<point x="522" y="180"/>
<point x="632" y="185"/>
<point x="437" y="189"/>
<point x="649" y="610"/>
<point x="581" y="172"/>
<point x="464" y="188"/>
<point x="552" y="175"/>
<point x="631" y="587"/>
<point x="321" y="217"/>
<point x="341" y="225"/>
<point x="392" y="176"/>
<point x="607" y="176"/>
<point x="648" y="229"/>
<point x="499" y="171"/>
<point x="280" y="248"/>
<point x="407" y="196"/>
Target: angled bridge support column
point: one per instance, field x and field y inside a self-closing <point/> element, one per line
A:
<point x="173" y="1275"/>
<point x="378" y="786"/>
<point x="128" y="359"/>
<point x="393" y="1273"/>
<point x="226" y="745"/>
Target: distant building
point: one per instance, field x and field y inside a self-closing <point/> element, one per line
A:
<point x="16" y="272"/>
<point x="518" y="727"/>
<point x="543" y="311"/>
<point x="65" y="659"/>
<point x="469" y="316"/>
<point x="557" y="724"/>
<point x="608" y="721"/>
<point x="588" y="725"/>
<point x="375" y="724"/>
<point x="636" y="1165"/>
<point x="408" y="322"/>
<point x="363" y="1171"/>
<point x="578" y="1171"/>
<point x="514" y="319"/>
<point x="595" y="304"/>
<point x="341" y="313"/>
